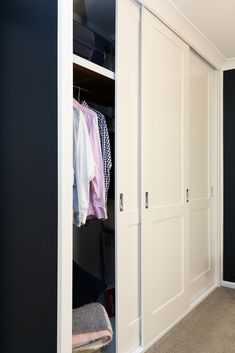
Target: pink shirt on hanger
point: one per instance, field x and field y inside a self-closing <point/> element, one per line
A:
<point x="96" y="207"/>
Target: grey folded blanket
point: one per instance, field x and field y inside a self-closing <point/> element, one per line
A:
<point x="91" y="324"/>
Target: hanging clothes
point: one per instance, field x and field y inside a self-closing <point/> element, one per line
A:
<point x="83" y="166"/>
<point x="105" y="147"/>
<point x="97" y="204"/>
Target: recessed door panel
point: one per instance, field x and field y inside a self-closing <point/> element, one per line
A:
<point x="166" y="252"/>
<point x="199" y="243"/>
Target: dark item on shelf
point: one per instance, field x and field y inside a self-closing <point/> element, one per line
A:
<point x="110" y="301"/>
<point x="90" y="45"/>
<point x="86" y="287"/>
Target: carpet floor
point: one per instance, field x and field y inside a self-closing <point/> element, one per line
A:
<point x="209" y="328"/>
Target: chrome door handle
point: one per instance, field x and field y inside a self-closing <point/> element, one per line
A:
<point x="146" y="200"/>
<point x="121" y="202"/>
<point x="187" y="195"/>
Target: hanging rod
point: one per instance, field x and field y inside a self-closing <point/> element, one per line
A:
<point x="82" y="89"/>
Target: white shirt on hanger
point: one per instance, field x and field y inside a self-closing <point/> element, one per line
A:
<point x="83" y="166"/>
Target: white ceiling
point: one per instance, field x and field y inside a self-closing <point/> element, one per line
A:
<point x="215" y="19"/>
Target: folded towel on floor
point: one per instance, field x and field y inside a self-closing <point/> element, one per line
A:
<point x="91" y="324"/>
<point x="89" y="348"/>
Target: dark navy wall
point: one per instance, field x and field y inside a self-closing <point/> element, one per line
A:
<point x="229" y="175"/>
<point x="28" y="176"/>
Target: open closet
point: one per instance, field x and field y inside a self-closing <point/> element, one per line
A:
<point x="110" y="250"/>
<point x="94" y="176"/>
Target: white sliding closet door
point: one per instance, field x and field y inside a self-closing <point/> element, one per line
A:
<point x="202" y="256"/>
<point x="165" y="221"/>
<point x="128" y="175"/>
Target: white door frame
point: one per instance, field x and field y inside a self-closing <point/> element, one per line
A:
<point x="220" y="167"/>
<point x="65" y="175"/>
<point x="217" y="172"/>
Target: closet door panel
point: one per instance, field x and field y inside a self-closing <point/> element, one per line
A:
<point x="128" y="175"/>
<point x="165" y="218"/>
<point x="201" y="238"/>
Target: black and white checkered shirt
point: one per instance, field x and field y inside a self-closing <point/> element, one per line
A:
<point x="105" y="146"/>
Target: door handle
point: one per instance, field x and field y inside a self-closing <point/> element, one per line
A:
<point x="146" y="200"/>
<point x="121" y="203"/>
<point x="187" y="195"/>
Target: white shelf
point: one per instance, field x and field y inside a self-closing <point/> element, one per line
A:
<point x="93" y="67"/>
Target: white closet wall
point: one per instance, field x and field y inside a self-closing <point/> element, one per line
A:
<point x="165" y="177"/>
<point x="128" y="175"/>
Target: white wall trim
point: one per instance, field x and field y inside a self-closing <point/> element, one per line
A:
<point x="215" y="171"/>
<point x="217" y="179"/>
<point x="193" y="305"/>
<point x="228" y="284"/>
<point x="65" y="176"/>
<point x="220" y="173"/>
<point x="198" y="30"/>
<point x="142" y="126"/>
<point x="229" y="64"/>
<point x="202" y="296"/>
<point x="168" y="13"/>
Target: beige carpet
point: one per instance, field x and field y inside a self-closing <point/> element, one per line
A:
<point x="210" y="328"/>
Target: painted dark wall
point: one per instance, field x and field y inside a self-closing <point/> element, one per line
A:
<point x="28" y="176"/>
<point x="229" y="175"/>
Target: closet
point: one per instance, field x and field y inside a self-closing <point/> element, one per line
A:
<point x="124" y="208"/>
<point x="159" y="103"/>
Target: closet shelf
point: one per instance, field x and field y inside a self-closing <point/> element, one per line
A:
<point x="95" y="82"/>
<point x="77" y="60"/>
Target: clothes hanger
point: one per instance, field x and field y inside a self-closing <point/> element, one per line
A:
<point x="80" y="89"/>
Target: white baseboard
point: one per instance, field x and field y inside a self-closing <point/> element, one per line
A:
<point x="202" y="296"/>
<point x="193" y="305"/>
<point x="228" y="284"/>
<point x="144" y="349"/>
